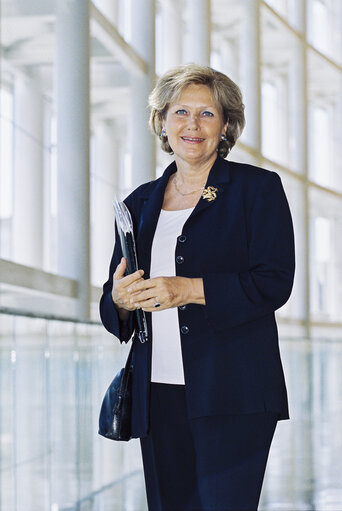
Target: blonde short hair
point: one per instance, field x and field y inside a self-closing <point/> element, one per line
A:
<point x="225" y="92"/>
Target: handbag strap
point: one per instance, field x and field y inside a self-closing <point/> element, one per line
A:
<point x="130" y="354"/>
<point x="126" y="372"/>
<point x="129" y="358"/>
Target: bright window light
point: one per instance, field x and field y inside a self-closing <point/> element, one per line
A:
<point x="322" y="240"/>
<point x="320" y="146"/>
<point x="53" y="162"/>
<point x="320" y="25"/>
<point x="269" y="120"/>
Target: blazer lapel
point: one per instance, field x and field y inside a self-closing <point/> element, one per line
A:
<point x="150" y="211"/>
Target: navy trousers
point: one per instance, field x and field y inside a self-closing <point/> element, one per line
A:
<point x="203" y="464"/>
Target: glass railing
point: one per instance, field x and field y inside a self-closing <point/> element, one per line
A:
<point x="53" y="375"/>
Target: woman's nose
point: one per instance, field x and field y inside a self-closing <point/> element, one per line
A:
<point x="193" y="122"/>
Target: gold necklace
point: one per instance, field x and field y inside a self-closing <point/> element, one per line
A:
<point x="187" y="193"/>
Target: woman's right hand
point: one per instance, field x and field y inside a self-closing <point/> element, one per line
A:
<point x="120" y="294"/>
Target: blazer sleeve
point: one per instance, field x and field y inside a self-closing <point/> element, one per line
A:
<point x="238" y="297"/>
<point x="123" y="330"/>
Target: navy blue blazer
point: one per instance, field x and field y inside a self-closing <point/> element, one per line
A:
<point x="242" y="245"/>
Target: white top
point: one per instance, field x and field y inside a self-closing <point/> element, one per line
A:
<point x="167" y="363"/>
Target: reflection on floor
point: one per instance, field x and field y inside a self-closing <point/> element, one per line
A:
<point x="52" y="379"/>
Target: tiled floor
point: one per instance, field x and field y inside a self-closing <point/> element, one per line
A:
<point x="52" y="378"/>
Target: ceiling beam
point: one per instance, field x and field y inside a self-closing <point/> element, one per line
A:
<point x="39" y="49"/>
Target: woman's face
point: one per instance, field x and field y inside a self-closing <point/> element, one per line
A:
<point x="194" y="125"/>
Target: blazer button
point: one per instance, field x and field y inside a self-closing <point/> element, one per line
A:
<point x="180" y="259"/>
<point x="184" y="329"/>
<point x="182" y="307"/>
<point x="182" y="238"/>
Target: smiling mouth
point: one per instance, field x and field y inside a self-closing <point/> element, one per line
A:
<point x="192" y="140"/>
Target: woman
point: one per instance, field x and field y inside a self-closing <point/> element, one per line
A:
<point x="216" y="251"/>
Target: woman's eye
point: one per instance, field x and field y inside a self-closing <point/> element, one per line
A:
<point x="181" y="111"/>
<point x="208" y="114"/>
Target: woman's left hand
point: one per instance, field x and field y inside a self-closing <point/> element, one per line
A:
<point x="168" y="291"/>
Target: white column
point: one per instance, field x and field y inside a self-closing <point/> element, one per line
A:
<point x="140" y="140"/>
<point x="106" y="170"/>
<point x="230" y="61"/>
<point x="72" y="90"/>
<point x="298" y="152"/>
<point x="172" y="34"/>
<point x="28" y="174"/>
<point x="303" y="14"/>
<point x="251" y="74"/>
<point x="338" y="98"/>
<point x="123" y="184"/>
<point x="197" y="39"/>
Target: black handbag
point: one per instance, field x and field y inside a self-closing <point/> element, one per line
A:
<point x="116" y="409"/>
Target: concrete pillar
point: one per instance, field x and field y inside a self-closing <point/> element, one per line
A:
<point x="230" y="60"/>
<point x="72" y="98"/>
<point x="106" y="160"/>
<point x="251" y="73"/>
<point x="197" y="39"/>
<point x="308" y="441"/>
<point x="338" y="99"/>
<point x="303" y="15"/>
<point x="123" y="181"/>
<point x="140" y="140"/>
<point x="172" y="34"/>
<point x="28" y="174"/>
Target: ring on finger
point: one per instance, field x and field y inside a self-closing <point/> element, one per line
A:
<point x="156" y="303"/>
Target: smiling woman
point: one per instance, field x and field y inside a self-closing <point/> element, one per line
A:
<point x="194" y="125"/>
<point x="225" y="95"/>
<point x="209" y="389"/>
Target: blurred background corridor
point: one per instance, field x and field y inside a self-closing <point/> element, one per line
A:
<point x="74" y="81"/>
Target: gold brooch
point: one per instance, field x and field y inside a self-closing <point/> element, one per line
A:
<point x="209" y="193"/>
